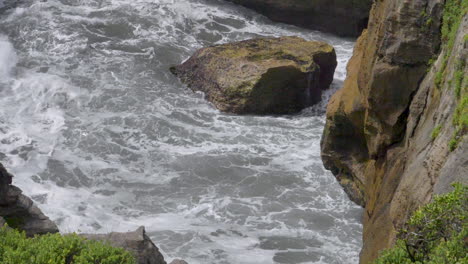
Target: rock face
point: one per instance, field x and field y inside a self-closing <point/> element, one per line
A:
<point x="342" y="17"/>
<point x="136" y="242"/>
<point x="389" y="132"/>
<point x="261" y="76"/>
<point x="19" y="210"/>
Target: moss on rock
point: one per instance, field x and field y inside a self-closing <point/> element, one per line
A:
<point x="261" y="76"/>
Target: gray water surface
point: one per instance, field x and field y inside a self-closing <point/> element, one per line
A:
<point x="104" y="138"/>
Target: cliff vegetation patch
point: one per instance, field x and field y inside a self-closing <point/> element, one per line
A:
<point x="16" y="248"/>
<point x="435" y="234"/>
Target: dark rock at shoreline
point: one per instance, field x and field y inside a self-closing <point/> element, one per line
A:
<point x="342" y="17"/>
<point x="261" y="76"/>
<point x="136" y="242"/>
<point x="19" y="210"/>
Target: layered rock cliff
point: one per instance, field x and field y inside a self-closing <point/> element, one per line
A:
<point x="396" y="132"/>
<point x="341" y="17"/>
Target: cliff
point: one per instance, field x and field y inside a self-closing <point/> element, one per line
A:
<point x="342" y="17"/>
<point x="396" y="132"/>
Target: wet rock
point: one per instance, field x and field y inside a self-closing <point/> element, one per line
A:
<point x="136" y="242"/>
<point x="261" y="76"/>
<point x="178" y="261"/>
<point x="345" y="18"/>
<point x="19" y="210"/>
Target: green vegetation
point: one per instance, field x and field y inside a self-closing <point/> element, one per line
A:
<point x="13" y="222"/>
<point x="435" y="234"/>
<point x="458" y="78"/>
<point x="16" y="248"/>
<point x="460" y="121"/>
<point x="454" y="10"/>
<point x="436" y="132"/>
<point x="453" y="14"/>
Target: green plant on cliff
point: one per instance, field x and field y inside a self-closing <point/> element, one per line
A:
<point x="454" y="10"/>
<point x="435" y="234"/>
<point x="436" y="131"/>
<point x="460" y="122"/>
<point x="16" y="248"/>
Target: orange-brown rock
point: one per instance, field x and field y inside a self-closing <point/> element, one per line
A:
<point x="379" y="138"/>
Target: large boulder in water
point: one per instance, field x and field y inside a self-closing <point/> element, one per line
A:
<point x="261" y="76"/>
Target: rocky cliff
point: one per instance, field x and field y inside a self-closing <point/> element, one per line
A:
<point x="19" y="210"/>
<point x="396" y="132"/>
<point x="341" y="17"/>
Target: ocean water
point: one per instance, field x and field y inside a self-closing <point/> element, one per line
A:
<point x="103" y="138"/>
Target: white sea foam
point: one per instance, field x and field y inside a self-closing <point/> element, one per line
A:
<point x="8" y="58"/>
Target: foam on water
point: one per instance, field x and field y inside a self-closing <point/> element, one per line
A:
<point x="8" y="58"/>
<point x="104" y="138"/>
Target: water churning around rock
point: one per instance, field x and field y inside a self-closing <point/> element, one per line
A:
<point x="103" y="138"/>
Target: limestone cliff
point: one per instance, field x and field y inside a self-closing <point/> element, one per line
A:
<point x="396" y="132"/>
<point x="341" y="17"/>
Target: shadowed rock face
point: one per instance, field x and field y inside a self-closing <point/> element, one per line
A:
<point x="136" y="242"/>
<point x="19" y="210"/>
<point x="261" y="76"/>
<point x="341" y="17"/>
<point x="378" y="140"/>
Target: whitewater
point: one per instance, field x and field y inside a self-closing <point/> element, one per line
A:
<point x="103" y="138"/>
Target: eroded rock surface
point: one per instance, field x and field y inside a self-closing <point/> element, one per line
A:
<point x="389" y="128"/>
<point x="136" y="242"/>
<point x="261" y="76"/>
<point x="342" y="17"/>
<point x="19" y="210"/>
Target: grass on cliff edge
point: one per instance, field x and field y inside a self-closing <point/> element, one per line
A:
<point x="437" y="233"/>
<point x="16" y="248"/>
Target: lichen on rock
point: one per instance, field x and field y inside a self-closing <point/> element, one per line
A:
<point x="261" y="76"/>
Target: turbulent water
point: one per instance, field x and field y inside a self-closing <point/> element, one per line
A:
<point x="104" y="138"/>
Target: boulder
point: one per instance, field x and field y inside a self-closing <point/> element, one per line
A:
<point x="345" y="17"/>
<point x="261" y="76"/>
<point x="136" y="242"/>
<point x="19" y="210"/>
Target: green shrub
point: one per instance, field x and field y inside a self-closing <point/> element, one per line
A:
<point x="16" y="248"/>
<point x="435" y="233"/>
